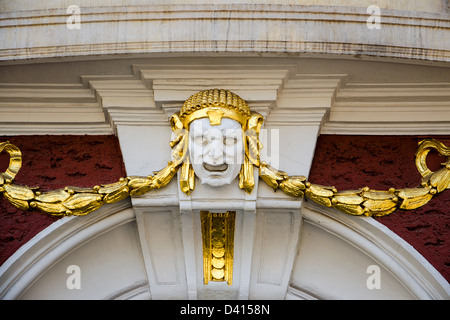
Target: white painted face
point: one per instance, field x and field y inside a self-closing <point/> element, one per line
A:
<point x="216" y="152"/>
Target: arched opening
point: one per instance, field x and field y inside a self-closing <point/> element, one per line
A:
<point x="91" y="257"/>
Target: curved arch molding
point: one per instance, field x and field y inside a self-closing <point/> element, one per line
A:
<point x="335" y="252"/>
<point x="104" y="247"/>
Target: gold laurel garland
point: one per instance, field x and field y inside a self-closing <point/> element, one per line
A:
<point x="75" y="200"/>
<point x="364" y="201"/>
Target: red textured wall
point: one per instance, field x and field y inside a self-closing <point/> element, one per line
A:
<point x="381" y="162"/>
<point x="53" y="162"/>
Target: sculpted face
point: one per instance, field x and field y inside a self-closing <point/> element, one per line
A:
<point x="216" y="152"/>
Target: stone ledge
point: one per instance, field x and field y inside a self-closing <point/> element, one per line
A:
<point x="224" y="28"/>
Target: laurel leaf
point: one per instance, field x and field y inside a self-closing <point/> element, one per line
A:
<point x="163" y="177"/>
<point x="414" y="197"/>
<point x="139" y="185"/>
<point x="271" y="176"/>
<point x="413" y="192"/>
<point x="380" y="207"/>
<point x="81" y="201"/>
<point x="415" y="202"/>
<point x="320" y="191"/>
<point x="51" y="208"/>
<point x="86" y="210"/>
<point x="113" y="187"/>
<point x="117" y="195"/>
<point x="18" y="203"/>
<point x="19" y="192"/>
<point x="350" y="199"/>
<point x="74" y="189"/>
<point x="349" y="192"/>
<point x="441" y="179"/>
<point x="318" y="198"/>
<point x="53" y="196"/>
<point x="352" y="209"/>
<point x="115" y="192"/>
<point x="378" y="195"/>
<point x="380" y="213"/>
<point x="293" y="186"/>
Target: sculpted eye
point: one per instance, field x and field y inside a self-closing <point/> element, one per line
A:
<point x="201" y="140"/>
<point x="228" y="141"/>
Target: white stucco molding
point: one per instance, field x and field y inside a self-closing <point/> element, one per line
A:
<point x="335" y="250"/>
<point x="223" y="28"/>
<point x="60" y="239"/>
<point x="437" y="6"/>
<point x="276" y="88"/>
<point x="402" y="108"/>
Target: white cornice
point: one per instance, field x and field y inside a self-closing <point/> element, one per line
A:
<point x="46" y="108"/>
<point x="390" y="108"/>
<point x="285" y="97"/>
<point x="254" y="83"/>
<point x="222" y="28"/>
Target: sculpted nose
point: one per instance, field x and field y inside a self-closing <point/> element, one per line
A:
<point x="216" y="150"/>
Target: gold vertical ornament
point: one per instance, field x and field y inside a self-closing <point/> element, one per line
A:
<point x="218" y="246"/>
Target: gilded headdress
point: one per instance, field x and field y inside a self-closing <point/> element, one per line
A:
<point x="214" y="104"/>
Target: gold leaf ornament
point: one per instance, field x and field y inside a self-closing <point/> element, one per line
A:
<point x="15" y="162"/>
<point x="271" y="175"/>
<point x="139" y="185"/>
<point x="19" y="192"/>
<point x="351" y="209"/>
<point x="294" y="186"/>
<point x="53" y="196"/>
<point x="413" y="198"/>
<point x="320" y="194"/>
<point x="441" y="179"/>
<point x="379" y="207"/>
<point x="83" y="203"/>
<point x="349" y="199"/>
<point x="54" y="208"/>
<point x="21" y="204"/>
<point x="115" y="192"/>
<point x="163" y="177"/>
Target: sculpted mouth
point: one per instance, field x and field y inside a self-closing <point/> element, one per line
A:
<point x="218" y="168"/>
